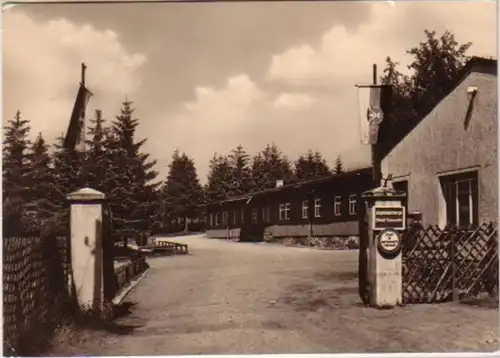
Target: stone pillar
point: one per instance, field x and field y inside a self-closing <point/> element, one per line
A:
<point x="386" y="222"/>
<point x="86" y="225"/>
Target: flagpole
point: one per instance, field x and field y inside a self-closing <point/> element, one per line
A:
<point x="83" y="133"/>
<point x="376" y="165"/>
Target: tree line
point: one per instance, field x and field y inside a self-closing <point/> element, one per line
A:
<point x="37" y="176"/>
<point x="36" y="179"/>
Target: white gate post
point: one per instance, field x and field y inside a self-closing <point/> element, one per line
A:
<point x="387" y="220"/>
<point x="86" y="246"/>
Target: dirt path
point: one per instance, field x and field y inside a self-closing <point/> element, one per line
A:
<point x="245" y="298"/>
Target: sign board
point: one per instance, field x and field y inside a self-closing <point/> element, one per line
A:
<point x="389" y="242"/>
<point x="389" y="217"/>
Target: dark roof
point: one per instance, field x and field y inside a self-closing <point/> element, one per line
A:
<point x="333" y="177"/>
<point x="475" y="64"/>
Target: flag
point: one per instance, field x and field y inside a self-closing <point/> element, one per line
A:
<point x="372" y="104"/>
<point x="75" y="136"/>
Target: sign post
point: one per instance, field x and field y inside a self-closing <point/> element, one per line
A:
<point x="386" y="222"/>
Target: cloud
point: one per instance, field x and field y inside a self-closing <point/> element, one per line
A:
<point x="346" y="56"/>
<point x="42" y="70"/>
<point x="325" y="117"/>
<point x="293" y="101"/>
<point x="306" y="101"/>
<point x="241" y="112"/>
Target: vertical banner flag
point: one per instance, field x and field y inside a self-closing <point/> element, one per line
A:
<point x="75" y="136"/>
<point x="370" y="112"/>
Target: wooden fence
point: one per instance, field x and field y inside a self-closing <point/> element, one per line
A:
<point x="126" y="273"/>
<point x="175" y="247"/>
<point x="449" y="264"/>
<point x="36" y="275"/>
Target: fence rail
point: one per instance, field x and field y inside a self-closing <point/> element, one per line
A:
<point x="176" y="247"/>
<point x="449" y="264"/>
<point x="126" y="273"/>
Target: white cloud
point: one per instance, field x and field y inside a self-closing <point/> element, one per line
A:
<point x="347" y="57"/>
<point x="326" y="118"/>
<point x="293" y="101"/>
<point x="42" y="71"/>
<point x="42" y="62"/>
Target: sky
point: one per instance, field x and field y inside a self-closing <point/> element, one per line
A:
<point x="205" y="78"/>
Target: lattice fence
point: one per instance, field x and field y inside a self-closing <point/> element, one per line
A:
<point x="451" y="263"/>
<point x="35" y="290"/>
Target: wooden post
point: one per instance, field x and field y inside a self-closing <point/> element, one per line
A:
<point x="454" y="292"/>
<point x="376" y="165"/>
<point x="84" y="67"/>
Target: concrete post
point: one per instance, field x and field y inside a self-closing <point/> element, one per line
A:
<point x="387" y="220"/>
<point x="86" y="246"/>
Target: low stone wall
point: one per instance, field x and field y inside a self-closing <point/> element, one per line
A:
<point x="327" y="243"/>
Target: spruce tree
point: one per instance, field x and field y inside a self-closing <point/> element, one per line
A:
<point x="136" y="203"/>
<point x="220" y="179"/>
<point x="41" y="183"/>
<point x="339" y="165"/>
<point x="96" y="166"/>
<point x="67" y="178"/>
<point x="269" y="166"/>
<point x="15" y="169"/>
<point x="241" y="172"/>
<point x="311" y="166"/>
<point x="182" y="193"/>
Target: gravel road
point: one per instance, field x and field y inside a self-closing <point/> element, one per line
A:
<point x="254" y="298"/>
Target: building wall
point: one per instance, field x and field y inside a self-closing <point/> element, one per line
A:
<point x="442" y="144"/>
<point x="326" y="225"/>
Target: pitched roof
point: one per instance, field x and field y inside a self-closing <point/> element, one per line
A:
<point x="333" y="177"/>
<point x="475" y="64"/>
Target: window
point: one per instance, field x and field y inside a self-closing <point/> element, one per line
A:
<point x="352" y="204"/>
<point x="224" y="218"/>
<point x="461" y="197"/>
<point x="285" y="211"/>
<point x="242" y="215"/>
<point x="317" y="208"/>
<point x="234" y="217"/>
<point x="211" y="219"/>
<point x="216" y="219"/>
<point x="266" y="217"/>
<point x="254" y="215"/>
<point x="337" y="206"/>
<point x="305" y="209"/>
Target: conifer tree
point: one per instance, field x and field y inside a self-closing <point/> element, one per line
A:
<point x="339" y="165"/>
<point x="269" y="166"/>
<point x="41" y="183"/>
<point x="15" y="169"/>
<point x="97" y="167"/>
<point x="241" y="172"/>
<point x="182" y="193"/>
<point x="220" y="179"/>
<point x="311" y="166"/>
<point x="136" y="204"/>
<point x="66" y="179"/>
